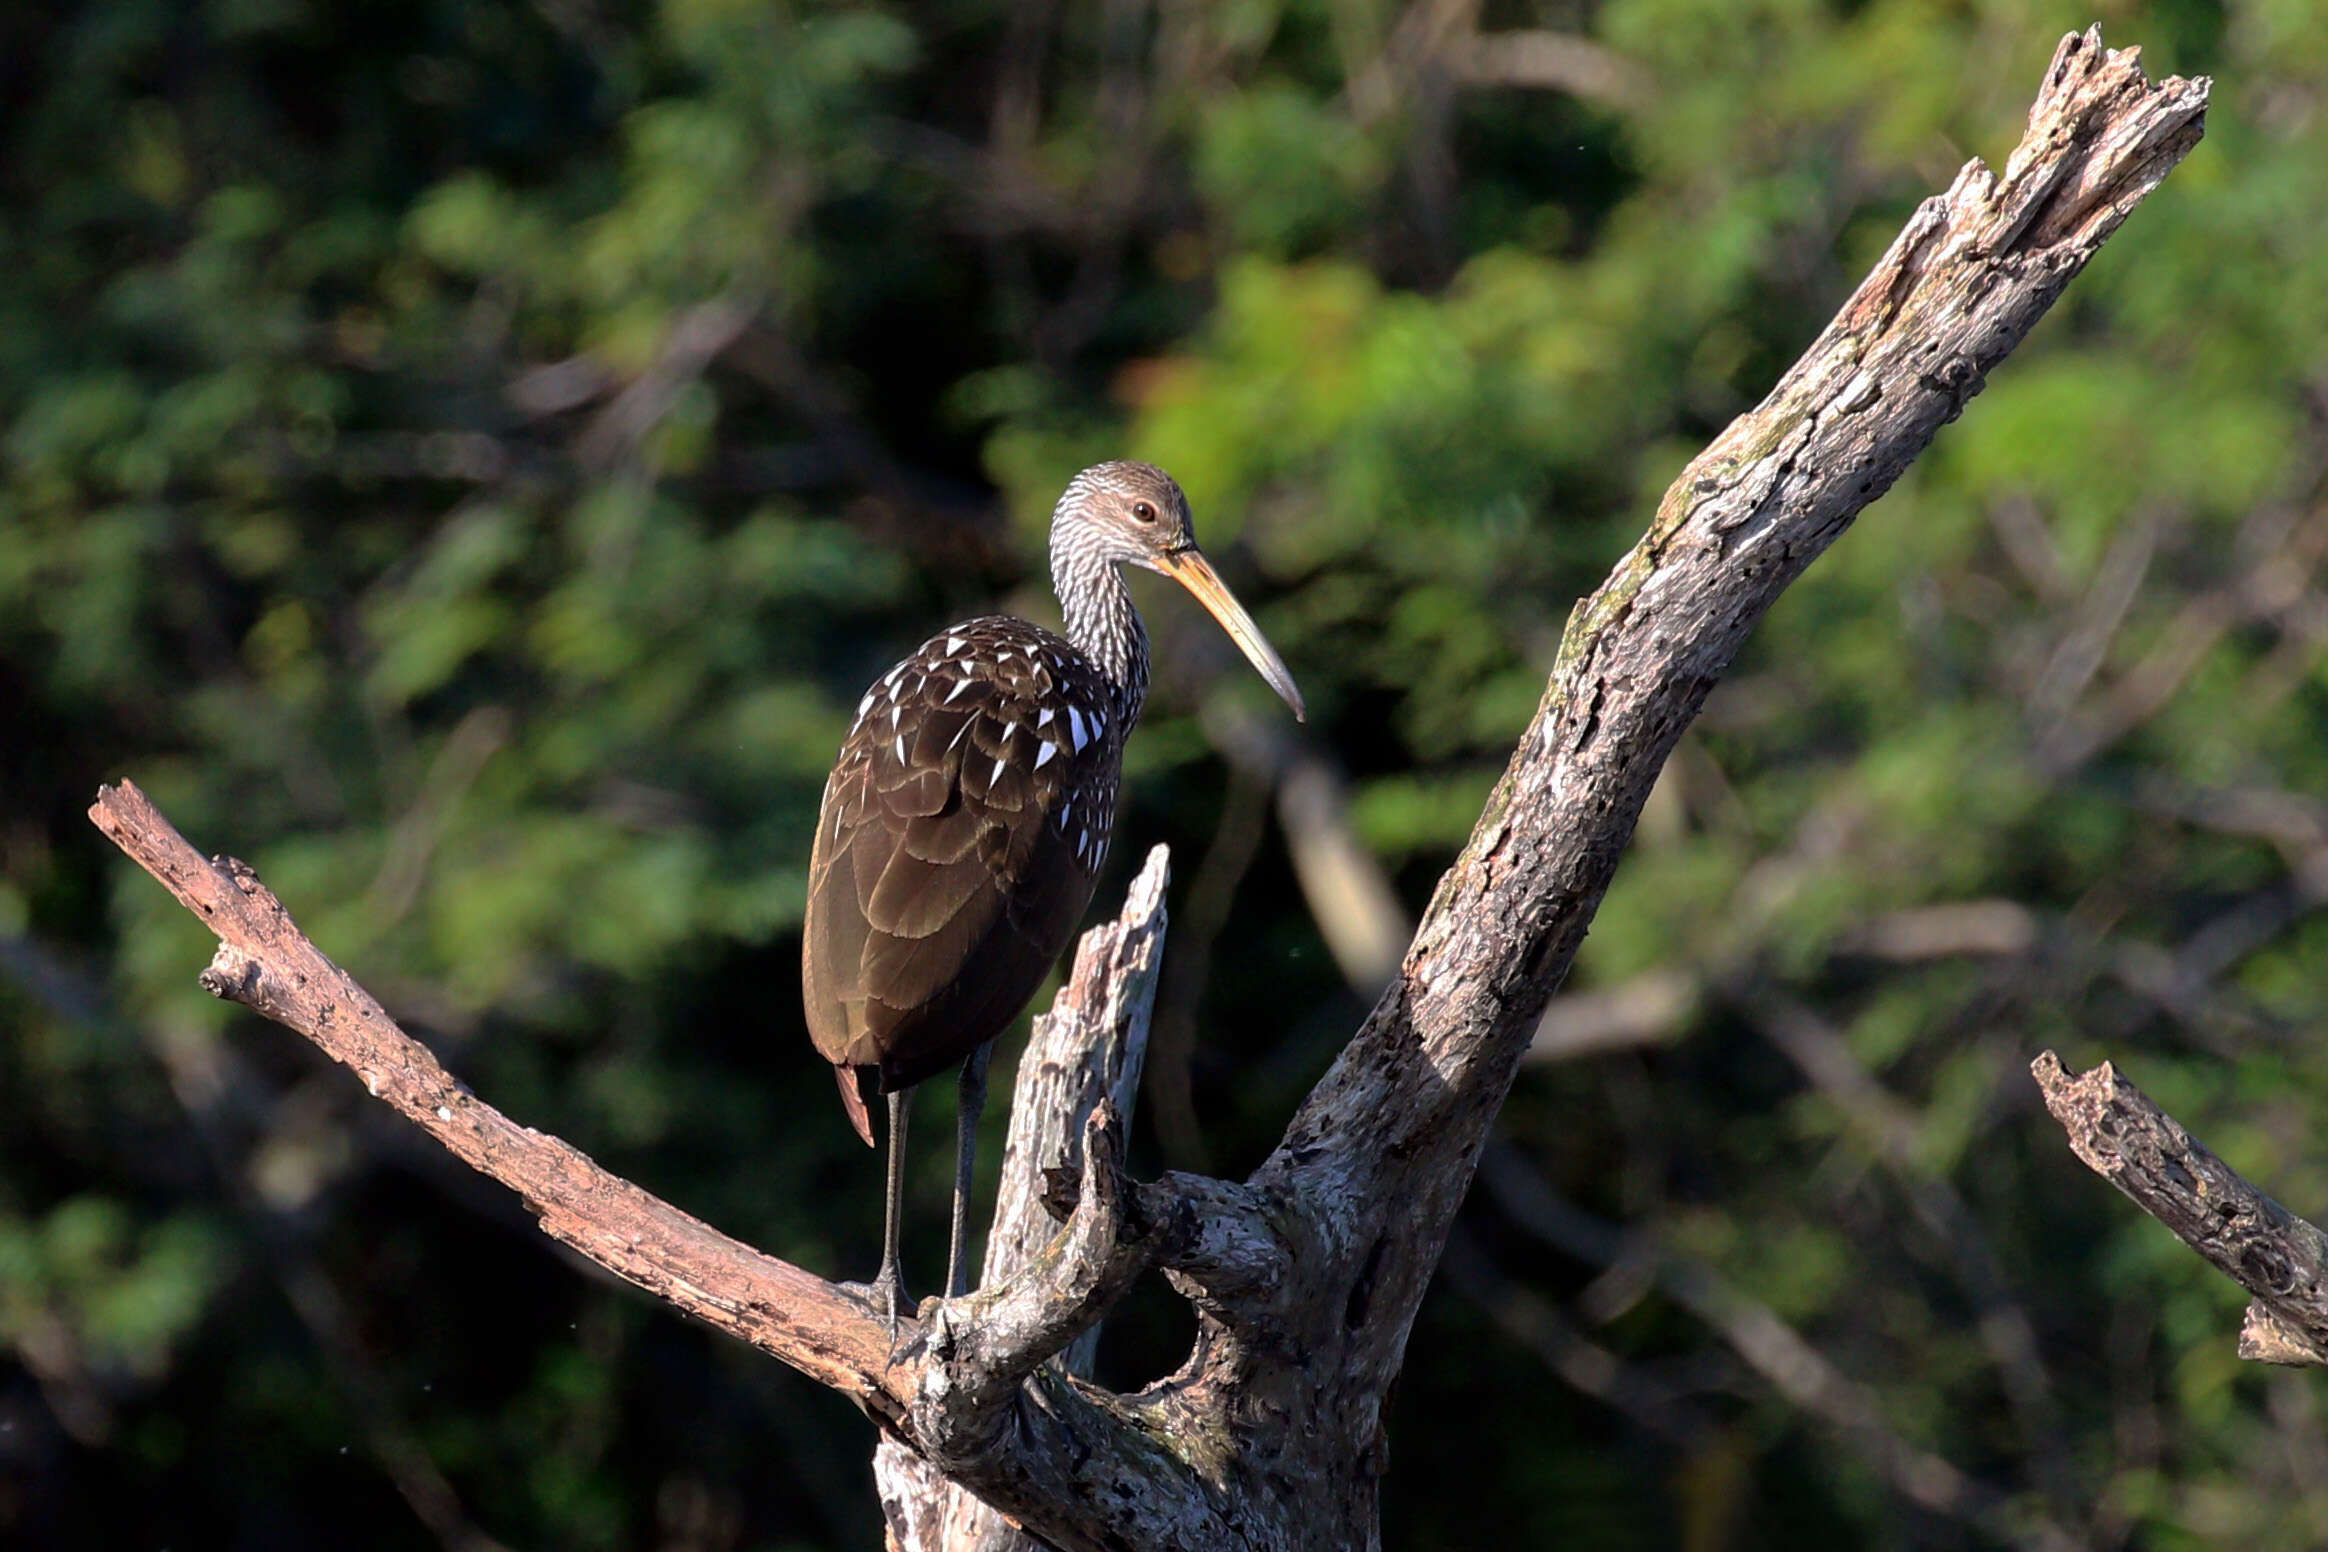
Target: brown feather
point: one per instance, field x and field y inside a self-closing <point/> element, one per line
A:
<point x="853" y="1103"/>
<point x="946" y="878"/>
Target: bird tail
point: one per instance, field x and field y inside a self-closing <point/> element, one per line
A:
<point x="853" y="1101"/>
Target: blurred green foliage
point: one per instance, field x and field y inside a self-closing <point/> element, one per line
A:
<point x="467" y="458"/>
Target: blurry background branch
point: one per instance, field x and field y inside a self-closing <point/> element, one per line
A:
<point x="1630" y="1262"/>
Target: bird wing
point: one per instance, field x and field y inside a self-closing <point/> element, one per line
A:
<point x="950" y="864"/>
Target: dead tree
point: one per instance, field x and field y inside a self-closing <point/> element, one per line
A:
<point x="1306" y="1277"/>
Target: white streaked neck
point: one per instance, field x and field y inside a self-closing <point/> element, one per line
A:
<point x="1102" y="624"/>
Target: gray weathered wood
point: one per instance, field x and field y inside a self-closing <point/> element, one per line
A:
<point x="2281" y="1259"/>
<point x="1367" y="1180"/>
<point x="1089" y="1047"/>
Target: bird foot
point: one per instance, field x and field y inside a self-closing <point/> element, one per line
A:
<point x="909" y="1331"/>
<point x="886" y="1295"/>
<point x="889" y="1293"/>
<point x="917" y="1336"/>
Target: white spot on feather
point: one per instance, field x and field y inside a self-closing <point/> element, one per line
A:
<point x="959" y="686"/>
<point x="1043" y="717"/>
<point x="1043" y="755"/>
<point x="900" y="747"/>
<point x="999" y="768"/>
<point x="1075" y="729"/>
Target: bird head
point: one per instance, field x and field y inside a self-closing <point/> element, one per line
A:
<point x="1134" y="514"/>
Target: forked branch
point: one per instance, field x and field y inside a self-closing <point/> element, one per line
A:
<point x="952" y="1386"/>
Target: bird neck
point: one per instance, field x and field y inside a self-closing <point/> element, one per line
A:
<point x="1103" y="625"/>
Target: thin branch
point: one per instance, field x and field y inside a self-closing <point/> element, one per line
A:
<point x="1350" y="896"/>
<point x="1204" y="916"/>
<point x="267" y="964"/>
<point x="2266" y="591"/>
<point x="1893" y="1132"/>
<point x="413" y="839"/>
<point x="2276" y="1256"/>
<point x="696" y="338"/>
<point x="1652" y="1008"/>
<point x="1529" y="1320"/>
<point x="1443" y="37"/>
<point x="1555" y="61"/>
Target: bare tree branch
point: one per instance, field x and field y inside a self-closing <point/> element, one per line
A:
<point x="1555" y="61"/>
<point x="953" y="1388"/>
<point x="1373" y="1165"/>
<point x="1114" y="1233"/>
<point x="266" y="963"/>
<point x="2251" y="1239"/>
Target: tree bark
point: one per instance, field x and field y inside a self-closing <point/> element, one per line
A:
<point x="1086" y="1051"/>
<point x="2279" y="1258"/>
<point x="1307" y="1277"/>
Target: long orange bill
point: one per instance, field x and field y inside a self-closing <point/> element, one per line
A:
<point x="1192" y="571"/>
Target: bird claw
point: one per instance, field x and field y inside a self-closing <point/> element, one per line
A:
<point x="912" y="1345"/>
<point x="886" y="1296"/>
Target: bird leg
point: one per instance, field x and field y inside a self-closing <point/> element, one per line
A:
<point x="973" y="1103"/>
<point x="888" y="1286"/>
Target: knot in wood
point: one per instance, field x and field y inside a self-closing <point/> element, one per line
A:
<point x="2267" y="1267"/>
<point x="231" y="975"/>
<point x="1956" y="376"/>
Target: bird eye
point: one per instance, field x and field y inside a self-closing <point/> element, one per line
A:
<point x="1145" y="511"/>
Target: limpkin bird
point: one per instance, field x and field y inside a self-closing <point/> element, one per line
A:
<point x="965" y="822"/>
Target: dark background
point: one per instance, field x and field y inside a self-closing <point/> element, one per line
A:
<point x="467" y="459"/>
